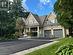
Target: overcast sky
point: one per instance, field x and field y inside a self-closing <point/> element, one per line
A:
<point x="40" y="7"/>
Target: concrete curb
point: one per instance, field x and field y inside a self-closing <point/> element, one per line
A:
<point x="34" y="49"/>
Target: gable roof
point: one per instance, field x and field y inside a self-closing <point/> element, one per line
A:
<point x="37" y="18"/>
<point x="26" y="14"/>
<point x="40" y="19"/>
<point x="50" y="17"/>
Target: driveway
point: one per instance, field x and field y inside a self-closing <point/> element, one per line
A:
<point x="11" y="47"/>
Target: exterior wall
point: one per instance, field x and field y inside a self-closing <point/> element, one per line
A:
<point x="51" y="19"/>
<point x="40" y="31"/>
<point x="54" y="27"/>
<point x="31" y="21"/>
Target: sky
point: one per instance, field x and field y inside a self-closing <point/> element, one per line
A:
<point x="39" y="7"/>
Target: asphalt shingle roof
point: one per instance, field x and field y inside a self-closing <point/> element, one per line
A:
<point x="40" y="19"/>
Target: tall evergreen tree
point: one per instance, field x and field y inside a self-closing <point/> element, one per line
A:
<point x="9" y="12"/>
<point x="64" y="11"/>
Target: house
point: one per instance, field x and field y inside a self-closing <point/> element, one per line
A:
<point x="43" y="26"/>
<point x="5" y="5"/>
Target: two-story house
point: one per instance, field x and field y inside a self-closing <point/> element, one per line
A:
<point x="34" y="24"/>
<point x="43" y="26"/>
<point x="5" y="4"/>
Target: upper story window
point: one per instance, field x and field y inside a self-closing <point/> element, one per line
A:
<point x="3" y="4"/>
<point x="53" y="21"/>
<point x="6" y="5"/>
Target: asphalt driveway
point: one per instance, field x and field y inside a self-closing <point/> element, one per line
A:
<point x="11" y="47"/>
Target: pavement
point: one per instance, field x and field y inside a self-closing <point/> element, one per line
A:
<point x="10" y="47"/>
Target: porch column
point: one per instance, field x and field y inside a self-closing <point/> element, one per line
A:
<point x="38" y="31"/>
<point x="43" y="33"/>
<point x="29" y="29"/>
<point x="29" y="32"/>
<point x="67" y="31"/>
<point x="24" y="31"/>
<point x="63" y="33"/>
<point x="52" y="33"/>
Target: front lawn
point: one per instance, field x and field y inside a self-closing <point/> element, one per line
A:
<point x="50" y="50"/>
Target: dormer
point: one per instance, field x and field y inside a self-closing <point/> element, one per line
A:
<point x="51" y="19"/>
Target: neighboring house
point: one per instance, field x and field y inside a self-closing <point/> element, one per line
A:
<point x="5" y="4"/>
<point x="43" y="26"/>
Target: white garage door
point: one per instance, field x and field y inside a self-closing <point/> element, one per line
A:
<point x="47" y="33"/>
<point x="58" y="33"/>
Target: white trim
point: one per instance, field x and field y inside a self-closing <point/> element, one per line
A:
<point x="38" y="34"/>
<point x="67" y="31"/>
<point x="63" y="33"/>
<point x="52" y="33"/>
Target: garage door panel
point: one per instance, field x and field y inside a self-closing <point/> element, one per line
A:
<point x="47" y="33"/>
<point x="58" y="33"/>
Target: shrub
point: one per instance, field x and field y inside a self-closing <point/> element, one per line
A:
<point x="65" y="50"/>
<point x="8" y="37"/>
<point x="29" y="33"/>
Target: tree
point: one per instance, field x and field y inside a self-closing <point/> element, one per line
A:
<point x="64" y="11"/>
<point x="17" y="8"/>
<point x="8" y="16"/>
<point x="19" y="26"/>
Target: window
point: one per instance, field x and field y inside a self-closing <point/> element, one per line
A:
<point x="3" y="4"/>
<point x="53" y="21"/>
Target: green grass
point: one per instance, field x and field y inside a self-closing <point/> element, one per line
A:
<point x="50" y="50"/>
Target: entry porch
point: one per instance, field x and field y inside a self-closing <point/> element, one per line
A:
<point x="35" y="32"/>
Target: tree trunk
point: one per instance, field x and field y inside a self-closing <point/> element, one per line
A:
<point x="71" y="31"/>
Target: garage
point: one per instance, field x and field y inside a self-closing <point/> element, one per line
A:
<point x="58" y="32"/>
<point x="47" y="33"/>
